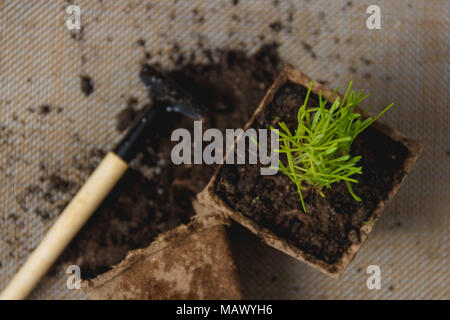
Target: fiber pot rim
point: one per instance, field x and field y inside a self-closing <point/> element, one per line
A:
<point x="166" y="240"/>
<point x="210" y="199"/>
<point x="201" y="226"/>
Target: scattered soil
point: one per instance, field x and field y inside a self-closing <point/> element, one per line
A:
<point x="155" y="196"/>
<point x="52" y="193"/>
<point x="332" y="223"/>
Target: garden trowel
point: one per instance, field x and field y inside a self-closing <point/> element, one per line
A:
<point x="167" y="96"/>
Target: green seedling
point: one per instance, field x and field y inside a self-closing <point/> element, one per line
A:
<point x="318" y="151"/>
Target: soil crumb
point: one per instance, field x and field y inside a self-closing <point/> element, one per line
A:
<point x="276" y="26"/>
<point x="155" y="196"/>
<point x="127" y="115"/>
<point x="77" y="35"/>
<point x="308" y="48"/>
<point x="45" y="109"/>
<point x="87" y="85"/>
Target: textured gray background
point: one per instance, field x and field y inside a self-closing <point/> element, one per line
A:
<point x="406" y="62"/>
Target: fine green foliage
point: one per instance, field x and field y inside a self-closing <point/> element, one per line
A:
<point x="318" y="151"/>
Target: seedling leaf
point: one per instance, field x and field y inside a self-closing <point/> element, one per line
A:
<point x="318" y="153"/>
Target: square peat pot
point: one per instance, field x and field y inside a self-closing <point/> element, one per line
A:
<point x="192" y="261"/>
<point x="335" y="226"/>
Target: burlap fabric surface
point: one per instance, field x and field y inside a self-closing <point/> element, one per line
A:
<point x="406" y="62"/>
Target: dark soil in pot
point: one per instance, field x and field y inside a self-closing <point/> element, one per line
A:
<point x="155" y="196"/>
<point x="332" y="223"/>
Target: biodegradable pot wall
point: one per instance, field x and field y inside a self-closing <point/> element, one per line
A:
<point x="334" y="227"/>
<point x="192" y="261"/>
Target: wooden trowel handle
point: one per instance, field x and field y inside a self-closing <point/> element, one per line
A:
<point x="74" y="216"/>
